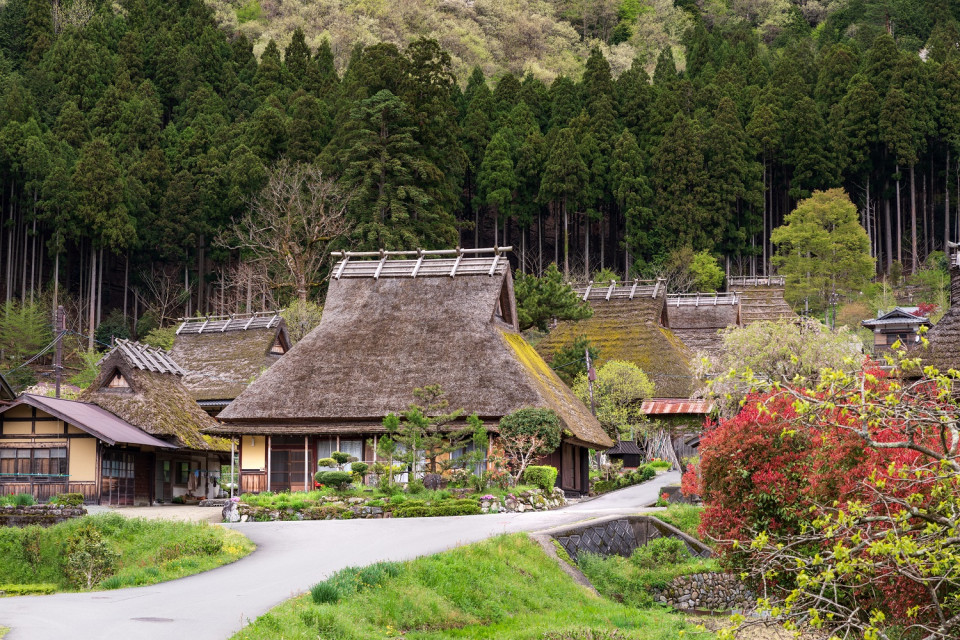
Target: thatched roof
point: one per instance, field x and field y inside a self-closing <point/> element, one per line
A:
<point x="155" y="402"/>
<point x="385" y="332"/>
<point x="223" y="355"/>
<point x="698" y="318"/>
<point x="630" y="329"/>
<point x="943" y="351"/>
<point x="761" y="299"/>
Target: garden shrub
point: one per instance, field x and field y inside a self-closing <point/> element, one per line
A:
<point x="327" y="462"/>
<point x="335" y="479"/>
<point x="67" y="499"/>
<point x="659" y="464"/>
<point x="544" y="477"/>
<point x="324" y="593"/>
<point x="89" y="558"/>
<point x="660" y="552"/>
<point x="420" y="509"/>
<point x="415" y="486"/>
<point x="17" y="500"/>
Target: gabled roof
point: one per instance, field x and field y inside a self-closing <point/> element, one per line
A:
<point x="155" y="402"/>
<point x="144" y="357"/>
<point x="381" y="336"/>
<point x="222" y="355"/>
<point x="7" y="394"/>
<point x="761" y="298"/>
<point x="624" y="447"/>
<point x="94" y="420"/>
<point x="698" y="318"/>
<point x="629" y="329"/>
<point x="898" y="316"/>
<point x="676" y="406"/>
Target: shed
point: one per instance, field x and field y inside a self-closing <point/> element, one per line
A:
<point x="627" y="452"/>
<point x="143" y="386"/>
<point x="391" y="325"/>
<point x="761" y="298"/>
<point x="221" y="355"/>
<point x="626" y="325"/>
<point x="698" y="318"/>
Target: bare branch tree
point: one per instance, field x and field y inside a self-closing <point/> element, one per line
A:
<point x="162" y="292"/>
<point x="290" y="224"/>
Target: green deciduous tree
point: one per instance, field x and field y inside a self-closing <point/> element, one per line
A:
<point x="822" y="249"/>
<point x="618" y="392"/>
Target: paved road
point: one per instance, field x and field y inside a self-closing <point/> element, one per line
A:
<point x="290" y="557"/>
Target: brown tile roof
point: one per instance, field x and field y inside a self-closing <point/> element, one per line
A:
<point x="675" y="406"/>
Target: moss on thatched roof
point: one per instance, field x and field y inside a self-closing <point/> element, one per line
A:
<point x="157" y="403"/>
<point x="624" y="329"/>
<point x="220" y="363"/>
<point x="943" y="351"/>
<point x="698" y="319"/>
<point x="380" y="338"/>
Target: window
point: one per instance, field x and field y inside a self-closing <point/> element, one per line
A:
<point x="45" y="461"/>
<point x="117" y="383"/>
<point x="183" y="472"/>
<point x="456" y="454"/>
<point x="278" y="347"/>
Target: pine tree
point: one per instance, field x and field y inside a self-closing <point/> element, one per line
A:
<point x="679" y="183"/>
<point x="497" y="179"/>
<point x="633" y="194"/>
<point x="296" y="58"/>
<point x="564" y="175"/>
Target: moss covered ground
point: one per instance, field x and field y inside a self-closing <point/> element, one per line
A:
<point x="503" y="588"/>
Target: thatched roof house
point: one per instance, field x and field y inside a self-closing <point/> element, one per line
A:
<point x="143" y="386"/>
<point x="943" y="351"/>
<point x="392" y="325"/>
<point x="761" y="298"/>
<point x="627" y="324"/>
<point x="698" y="318"/>
<point x="222" y="355"/>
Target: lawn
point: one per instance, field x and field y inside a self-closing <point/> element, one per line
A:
<point x="685" y="517"/>
<point x="505" y="588"/>
<point x="113" y="552"/>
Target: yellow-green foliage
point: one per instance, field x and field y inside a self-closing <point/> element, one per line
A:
<point x="504" y="588"/>
<point x="536" y="36"/>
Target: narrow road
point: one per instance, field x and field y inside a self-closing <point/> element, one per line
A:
<point x="290" y="557"/>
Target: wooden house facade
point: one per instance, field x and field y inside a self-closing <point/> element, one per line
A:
<point x="221" y="356"/>
<point x="50" y="446"/>
<point x="699" y="318"/>
<point x="628" y="324"/>
<point x="391" y="325"/>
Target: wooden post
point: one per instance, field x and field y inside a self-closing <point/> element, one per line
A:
<point x="233" y="444"/>
<point x="266" y="451"/>
<point x="306" y="463"/>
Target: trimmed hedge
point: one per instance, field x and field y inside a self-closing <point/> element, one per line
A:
<point x="641" y="474"/>
<point x="420" y="509"/>
<point x="67" y="499"/>
<point x="333" y="478"/>
<point x="41" y="589"/>
<point x="542" y="476"/>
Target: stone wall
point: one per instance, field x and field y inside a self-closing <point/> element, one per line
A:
<point x="709" y="591"/>
<point x="39" y="514"/>
<point x="534" y="500"/>
<point x="620" y="535"/>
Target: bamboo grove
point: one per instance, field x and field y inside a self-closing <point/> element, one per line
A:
<point x="133" y="133"/>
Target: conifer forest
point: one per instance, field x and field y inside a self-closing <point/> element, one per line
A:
<point x="135" y="135"/>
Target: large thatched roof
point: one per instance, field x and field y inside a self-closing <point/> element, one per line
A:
<point x="147" y="394"/>
<point x="221" y="356"/>
<point x="387" y="331"/>
<point x="943" y="351"/>
<point x="761" y="299"/>
<point x="625" y="328"/>
<point x="697" y="319"/>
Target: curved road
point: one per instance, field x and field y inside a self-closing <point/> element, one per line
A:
<point x="290" y="557"/>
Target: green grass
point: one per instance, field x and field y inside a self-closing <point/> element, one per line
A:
<point x="4" y="631"/>
<point x="505" y="588"/>
<point x="306" y="499"/>
<point x="685" y="517"/>
<point x="653" y="566"/>
<point x="150" y="551"/>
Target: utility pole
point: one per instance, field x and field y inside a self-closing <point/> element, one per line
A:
<point x="58" y="356"/>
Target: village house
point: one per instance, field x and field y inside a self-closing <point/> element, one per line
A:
<point x="761" y="298"/>
<point x="628" y="324"/>
<point x="943" y="350"/>
<point x="699" y="318"/>
<point x="901" y="324"/>
<point x="132" y="438"/>
<point x="403" y="321"/>
<point x="222" y="355"/>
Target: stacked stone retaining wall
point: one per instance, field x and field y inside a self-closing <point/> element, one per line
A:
<point x="44" y="515"/>
<point x="709" y="591"/>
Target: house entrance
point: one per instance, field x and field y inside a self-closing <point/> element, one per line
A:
<point x="117" y="485"/>
<point x="289" y="470"/>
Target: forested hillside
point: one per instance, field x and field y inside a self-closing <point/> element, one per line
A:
<point x="133" y="133"/>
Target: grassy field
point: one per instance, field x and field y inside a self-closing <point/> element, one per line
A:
<point x="685" y="517"/>
<point x="505" y="588"/>
<point x="138" y="552"/>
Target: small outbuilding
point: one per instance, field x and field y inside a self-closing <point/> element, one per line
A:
<point x="901" y="324"/>
<point x="401" y="321"/>
<point x="222" y="355"/>
<point x="627" y="452"/>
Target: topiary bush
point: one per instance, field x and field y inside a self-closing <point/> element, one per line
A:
<point x="336" y="479"/>
<point x="542" y="476"/>
<point x="67" y="499"/>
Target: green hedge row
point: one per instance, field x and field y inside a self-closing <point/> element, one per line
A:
<point x="641" y="474"/>
<point x="420" y="509"/>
